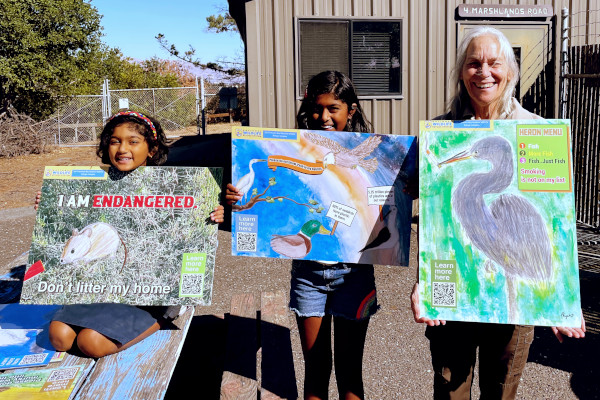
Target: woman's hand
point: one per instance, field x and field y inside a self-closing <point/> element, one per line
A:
<point x="38" y="198"/>
<point x="414" y="305"/>
<point x="561" y="331"/>
<point x="218" y="215"/>
<point x="232" y="194"/>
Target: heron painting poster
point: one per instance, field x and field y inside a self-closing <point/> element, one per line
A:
<point x="142" y="238"/>
<point x="497" y="237"/>
<point x="319" y="195"/>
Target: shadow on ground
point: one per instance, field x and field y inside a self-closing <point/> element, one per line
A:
<point x="577" y="356"/>
<point x="214" y="345"/>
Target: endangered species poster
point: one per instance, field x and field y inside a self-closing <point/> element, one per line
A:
<point x="49" y="383"/>
<point x="321" y="195"/>
<point x="24" y="340"/>
<point x="497" y="236"/>
<point x="142" y="237"/>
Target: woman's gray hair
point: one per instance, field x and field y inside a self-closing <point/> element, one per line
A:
<point x="460" y="97"/>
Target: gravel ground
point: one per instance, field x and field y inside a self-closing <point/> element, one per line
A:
<point x="397" y="361"/>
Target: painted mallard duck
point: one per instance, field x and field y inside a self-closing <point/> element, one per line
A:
<point x="298" y="245"/>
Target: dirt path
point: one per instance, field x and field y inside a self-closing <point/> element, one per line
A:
<point x="397" y="362"/>
<point x="21" y="177"/>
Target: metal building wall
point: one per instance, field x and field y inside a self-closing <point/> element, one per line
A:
<point x="428" y="53"/>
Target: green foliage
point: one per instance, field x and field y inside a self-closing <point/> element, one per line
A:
<point x="45" y="46"/>
<point x="221" y="23"/>
<point x="125" y="73"/>
<point x="52" y="49"/>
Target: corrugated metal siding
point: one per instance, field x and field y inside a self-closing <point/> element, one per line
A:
<point x="428" y="51"/>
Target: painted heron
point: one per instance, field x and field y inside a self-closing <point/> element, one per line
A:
<point x="510" y="231"/>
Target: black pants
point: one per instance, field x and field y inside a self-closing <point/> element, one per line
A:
<point x="503" y="351"/>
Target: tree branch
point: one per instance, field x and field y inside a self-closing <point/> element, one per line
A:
<point x="258" y="198"/>
<point x="189" y="57"/>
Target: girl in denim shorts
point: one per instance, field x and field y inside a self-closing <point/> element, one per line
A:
<point x="342" y="292"/>
<point x="320" y="293"/>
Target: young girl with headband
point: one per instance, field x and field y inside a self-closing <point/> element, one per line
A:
<point x="129" y="140"/>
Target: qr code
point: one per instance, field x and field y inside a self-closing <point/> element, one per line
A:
<point x="444" y="294"/>
<point x="191" y="284"/>
<point x="33" y="359"/>
<point x="246" y="241"/>
<point x="62" y="374"/>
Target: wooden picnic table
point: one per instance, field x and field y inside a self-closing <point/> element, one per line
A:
<point x="142" y="371"/>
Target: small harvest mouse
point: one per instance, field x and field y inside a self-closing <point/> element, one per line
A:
<point x="95" y="241"/>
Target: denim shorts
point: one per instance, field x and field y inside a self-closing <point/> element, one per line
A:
<point x="341" y="290"/>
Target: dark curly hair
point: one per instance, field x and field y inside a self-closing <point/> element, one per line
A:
<point x="341" y="87"/>
<point x="143" y="128"/>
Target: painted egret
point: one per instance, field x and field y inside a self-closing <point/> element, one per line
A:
<point x="244" y="184"/>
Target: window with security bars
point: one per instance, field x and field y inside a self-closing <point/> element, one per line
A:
<point x="368" y="51"/>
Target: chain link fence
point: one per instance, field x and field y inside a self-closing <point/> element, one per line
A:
<point x="175" y="108"/>
<point x="78" y="120"/>
<point x="180" y="110"/>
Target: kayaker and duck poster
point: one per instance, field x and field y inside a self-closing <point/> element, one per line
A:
<point x="142" y="237"/>
<point x="323" y="196"/>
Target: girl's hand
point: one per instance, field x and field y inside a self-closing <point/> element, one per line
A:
<point x="38" y="198"/>
<point x="232" y="194"/>
<point x="560" y="331"/>
<point x="414" y="305"/>
<point x="218" y="215"/>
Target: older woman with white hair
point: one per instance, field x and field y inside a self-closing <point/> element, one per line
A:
<point x="484" y="78"/>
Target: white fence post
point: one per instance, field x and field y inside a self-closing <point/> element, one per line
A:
<point x="58" y="123"/>
<point x="198" y="107"/>
<point x="203" y="107"/>
<point x="105" y="102"/>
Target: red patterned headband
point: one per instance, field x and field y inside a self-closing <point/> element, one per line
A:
<point x="140" y="116"/>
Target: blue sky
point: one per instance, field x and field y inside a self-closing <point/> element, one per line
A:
<point x="132" y="25"/>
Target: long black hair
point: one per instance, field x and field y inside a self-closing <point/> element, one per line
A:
<point x="341" y="87"/>
<point x="141" y="126"/>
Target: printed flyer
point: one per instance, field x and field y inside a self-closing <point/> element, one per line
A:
<point x="24" y="338"/>
<point x="320" y="195"/>
<point x="497" y="236"/>
<point x="142" y="238"/>
<point x="51" y="383"/>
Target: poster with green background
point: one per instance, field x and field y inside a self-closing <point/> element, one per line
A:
<point x="142" y="238"/>
<point x="497" y="236"/>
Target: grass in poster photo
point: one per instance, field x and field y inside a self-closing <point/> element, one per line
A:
<point x="143" y="246"/>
